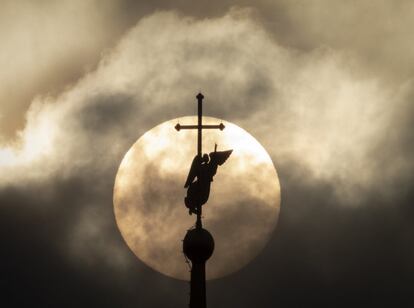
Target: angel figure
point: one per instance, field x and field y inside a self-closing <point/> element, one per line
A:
<point x="199" y="179"/>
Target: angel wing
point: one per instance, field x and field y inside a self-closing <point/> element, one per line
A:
<point x="219" y="157"/>
<point x="193" y="171"/>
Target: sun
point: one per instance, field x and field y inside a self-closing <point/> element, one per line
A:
<point x="149" y="208"/>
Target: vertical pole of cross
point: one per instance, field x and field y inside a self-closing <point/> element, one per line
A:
<point x="199" y="148"/>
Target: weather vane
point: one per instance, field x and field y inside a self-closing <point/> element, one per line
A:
<point x="198" y="244"/>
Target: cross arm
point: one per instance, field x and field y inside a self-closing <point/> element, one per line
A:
<point x="179" y="127"/>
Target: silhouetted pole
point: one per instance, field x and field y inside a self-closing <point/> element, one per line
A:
<point x="200" y="123"/>
<point x="199" y="97"/>
<point x="198" y="244"/>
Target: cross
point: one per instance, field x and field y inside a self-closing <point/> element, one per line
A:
<point x="199" y="128"/>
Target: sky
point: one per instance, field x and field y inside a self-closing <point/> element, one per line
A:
<point x="325" y="86"/>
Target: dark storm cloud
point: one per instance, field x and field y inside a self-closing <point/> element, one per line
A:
<point x="327" y="89"/>
<point x="46" y="262"/>
<point x="322" y="255"/>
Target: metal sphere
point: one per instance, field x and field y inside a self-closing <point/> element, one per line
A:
<point x="198" y="245"/>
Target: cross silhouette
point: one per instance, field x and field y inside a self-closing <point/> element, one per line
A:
<point x="200" y="125"/>
<point x="199" y="128"/>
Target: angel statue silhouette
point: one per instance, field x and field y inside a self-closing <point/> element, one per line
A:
<point x="199" y="179"/>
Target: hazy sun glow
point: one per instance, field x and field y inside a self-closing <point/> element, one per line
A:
<point x="148" y="198"/>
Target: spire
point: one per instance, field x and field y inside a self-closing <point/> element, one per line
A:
<point x="198" y="244"/>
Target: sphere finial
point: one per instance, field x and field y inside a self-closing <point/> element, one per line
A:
<point x="198" y="245"/>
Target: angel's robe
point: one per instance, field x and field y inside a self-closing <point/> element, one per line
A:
<point x="199" y="191"/>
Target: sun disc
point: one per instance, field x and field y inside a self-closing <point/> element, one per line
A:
<point x="149" y="206"/>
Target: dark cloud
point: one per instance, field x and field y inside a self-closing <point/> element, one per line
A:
<point x="39" y="267"/>
<point x="326" y="87"/>
<point x="324" y="255"/>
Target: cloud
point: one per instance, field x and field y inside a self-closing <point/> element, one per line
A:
<point x="310" y="109"/>
<point x="340" y="134"/>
